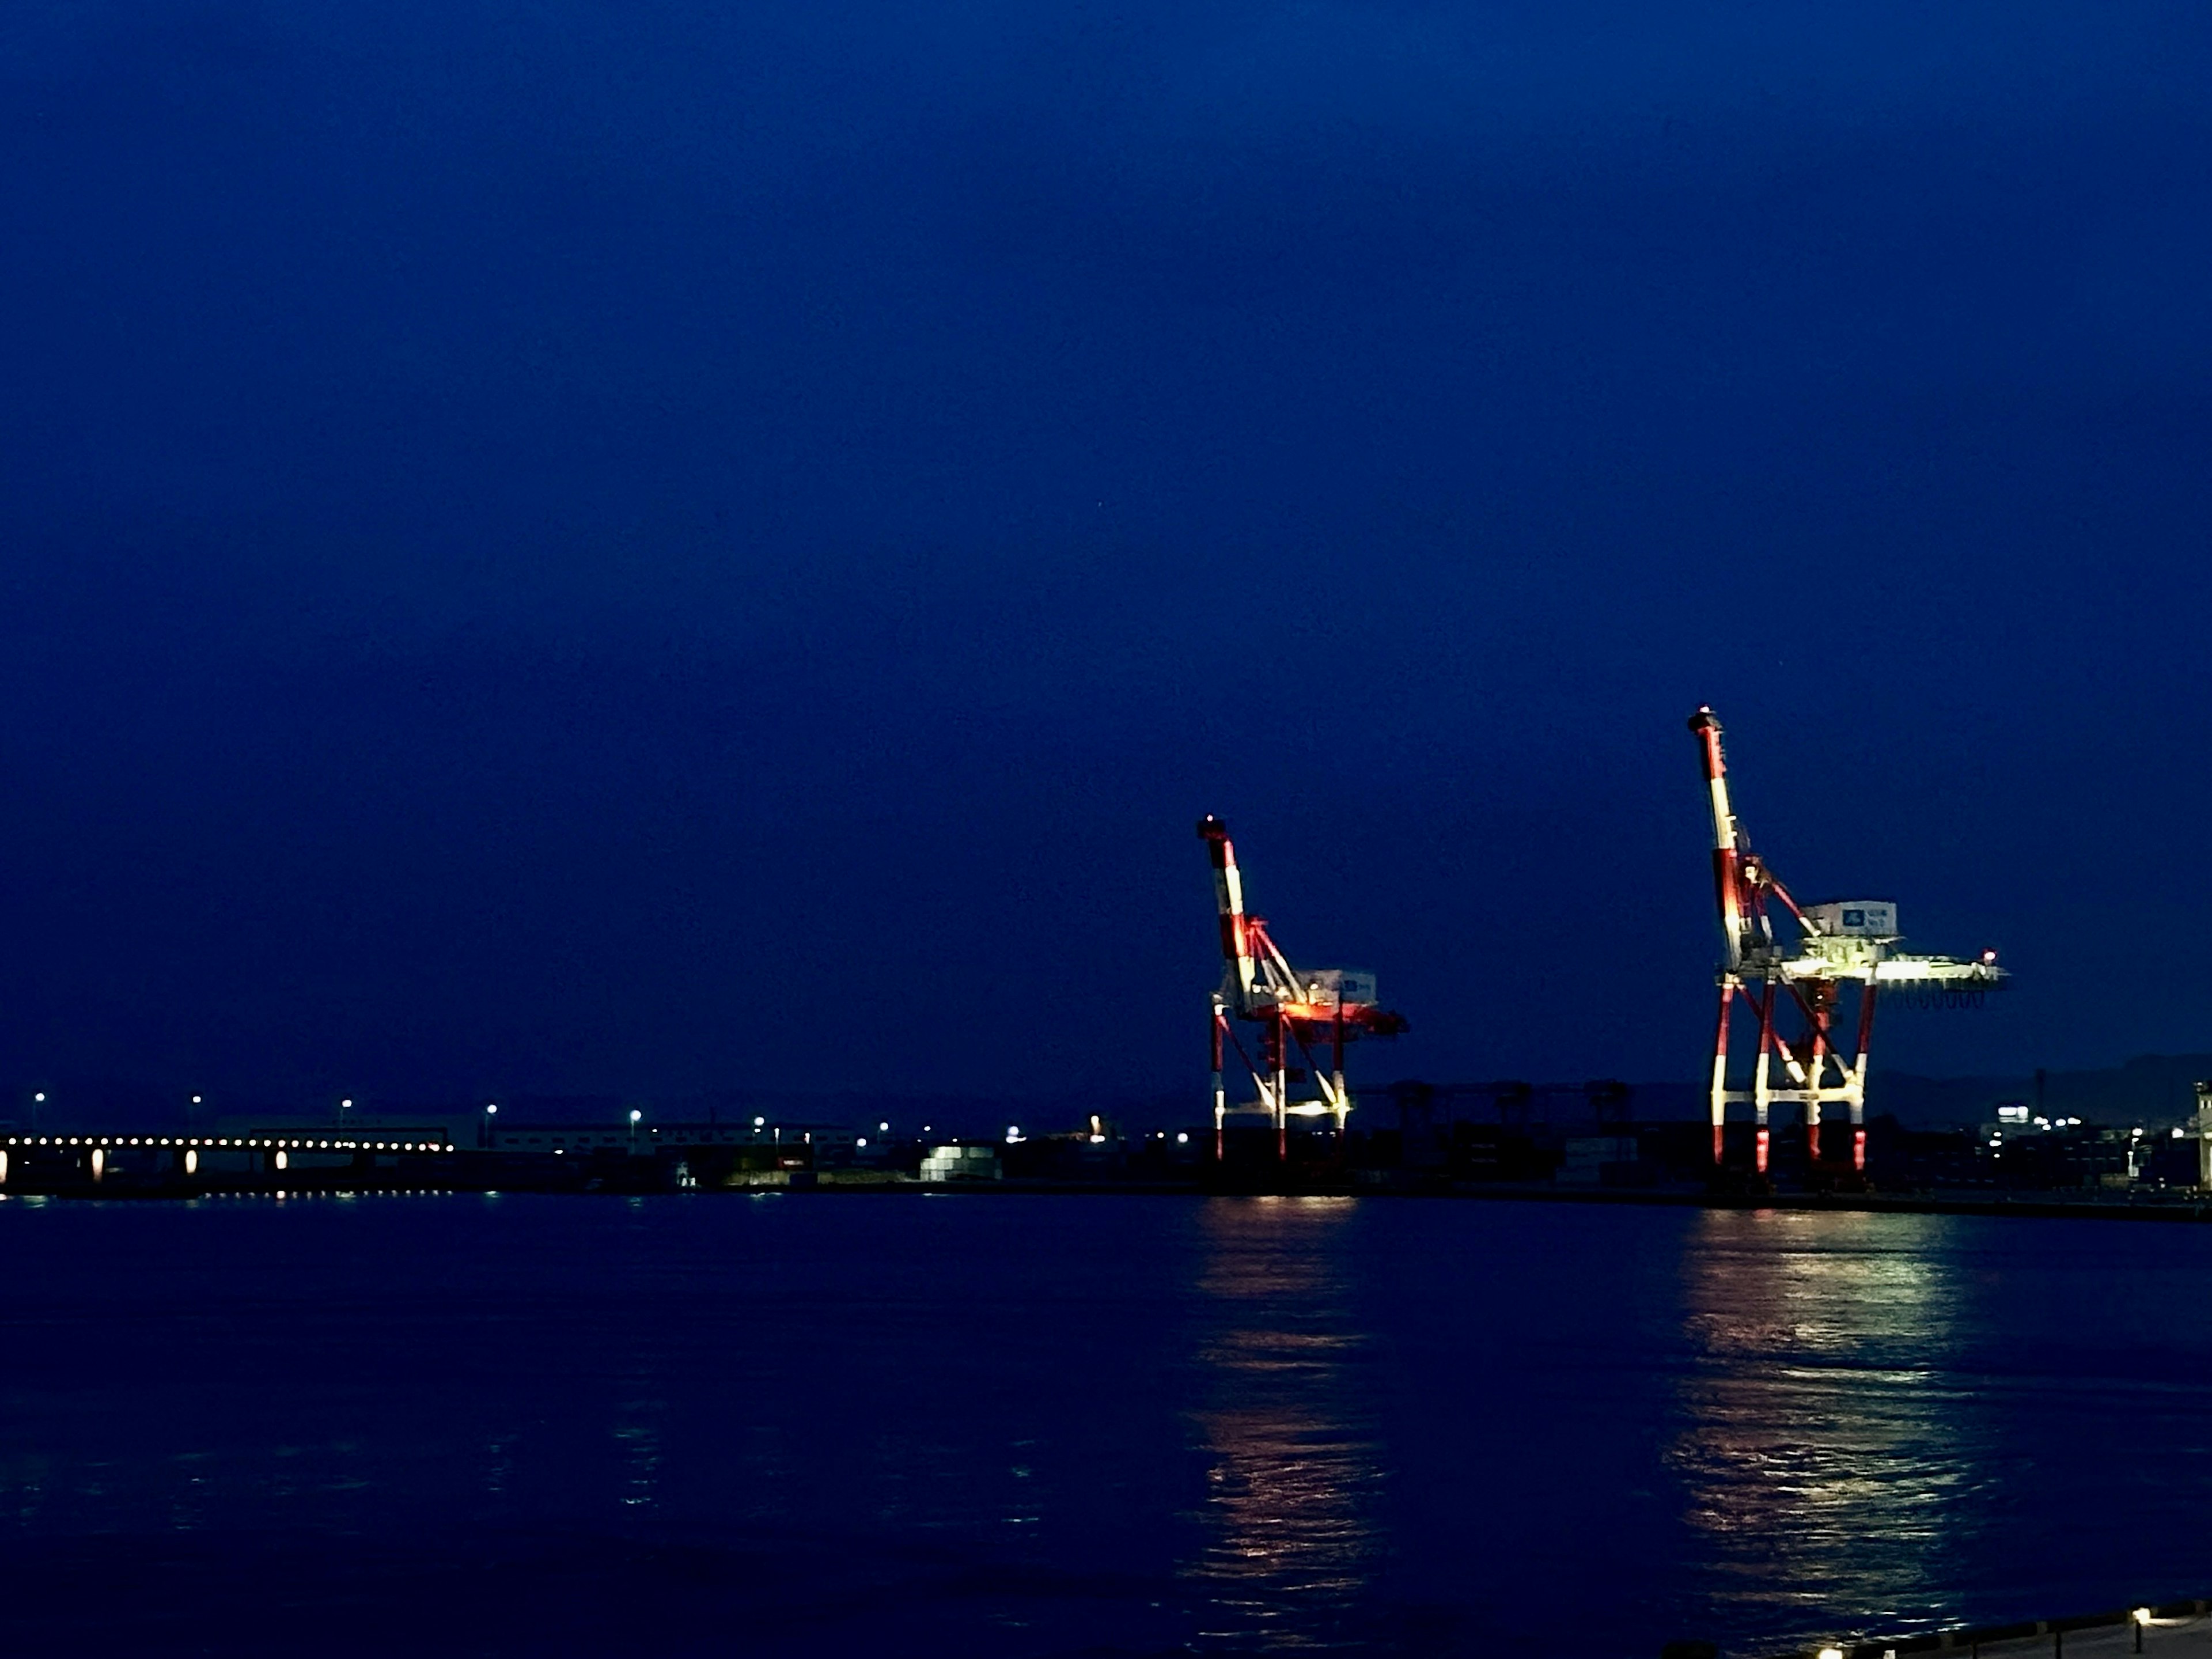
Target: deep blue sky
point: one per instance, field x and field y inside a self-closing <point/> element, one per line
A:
<point x="593" y="546"/>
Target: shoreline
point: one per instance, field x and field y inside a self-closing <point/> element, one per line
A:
<point x="2176" y="1206"/>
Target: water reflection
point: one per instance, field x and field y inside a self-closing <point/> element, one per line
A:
<point x="638" y="1438"/>
<point x="1822" y="1456"/>
<point x="1292" y="1536"/>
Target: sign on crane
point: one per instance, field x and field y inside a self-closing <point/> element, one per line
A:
<point x="1293" y="1009"/>
<point x="1850" y="941"/>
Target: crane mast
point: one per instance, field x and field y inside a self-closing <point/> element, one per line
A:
<point x="1793" y="986"/>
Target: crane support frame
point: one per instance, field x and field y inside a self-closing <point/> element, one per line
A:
<point x="1802" y="979"/>
<point x="1293" y="1010"/>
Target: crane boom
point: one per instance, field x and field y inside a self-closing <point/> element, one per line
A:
<point x="1228" y="900"/>
<point x="1731" y="880"/>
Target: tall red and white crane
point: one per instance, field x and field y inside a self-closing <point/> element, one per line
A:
<point x="1303" y="1011"/>
<point x="1797" y="981"/>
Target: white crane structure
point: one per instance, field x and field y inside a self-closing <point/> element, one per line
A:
<point x="1293" y="1009"/>
<point x="1844" y="941"/>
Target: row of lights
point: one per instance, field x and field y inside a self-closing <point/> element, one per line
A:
<point x="340" y="1146"/>
<point x="491" y="1109"/>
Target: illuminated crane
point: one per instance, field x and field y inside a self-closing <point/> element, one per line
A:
<point x="1334" y="1005"/>
<point x="1844" y="941"/>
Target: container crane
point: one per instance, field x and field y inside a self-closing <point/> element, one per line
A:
<point x="1293" y="1009"/>
<point x="1843" y="941"/>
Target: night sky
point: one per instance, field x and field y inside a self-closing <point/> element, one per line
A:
<point x="578" y="547"/>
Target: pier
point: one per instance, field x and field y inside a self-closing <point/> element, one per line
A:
<point x="2176" y="1630"/>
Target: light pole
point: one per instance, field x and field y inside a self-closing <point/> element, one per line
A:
<point x="491" y="1111"/>
<point x="634" y="1116"/>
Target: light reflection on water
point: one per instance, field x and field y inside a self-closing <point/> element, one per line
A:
<point x="1006" y="1427"/>
<point x="1822" y="1449"/>
<point x="1291" y="1536"/>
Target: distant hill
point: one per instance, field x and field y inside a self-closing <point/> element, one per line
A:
<point x="2154" y="1090"/>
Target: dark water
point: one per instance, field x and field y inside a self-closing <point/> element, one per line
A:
<point x="1002" y="1426"/>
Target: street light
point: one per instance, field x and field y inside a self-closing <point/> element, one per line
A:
<point x="634" y="1116"/>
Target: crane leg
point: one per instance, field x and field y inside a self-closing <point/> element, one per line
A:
<point x="1859" y="1077"/>
<point x="1220" y="1098"/>
<point x="1758" y="1081"/>
<point x="1282" y="1089"/>
<point x="1720" y="1073"/>
<point x="1343" y="1100"/>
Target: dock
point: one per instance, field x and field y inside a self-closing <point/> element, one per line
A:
<point x="2173" y="1630"/>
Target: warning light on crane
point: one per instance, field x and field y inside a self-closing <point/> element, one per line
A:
<point x="1845" y="941"/>
<point x="1331" y="1005"/>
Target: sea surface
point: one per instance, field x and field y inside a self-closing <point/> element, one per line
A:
<point x="1006" y="1425"/>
